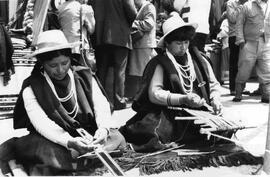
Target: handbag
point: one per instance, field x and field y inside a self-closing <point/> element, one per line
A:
<point x="87" y="56"/>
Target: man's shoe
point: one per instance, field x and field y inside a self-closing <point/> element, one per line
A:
<point x="265" y="100"/>
<point x="255" y="93"/>
<point x="246" y="92"/>
<point x="123" y="104"/>
<point x="237" y="99"/>
<point x="120" y="106"/>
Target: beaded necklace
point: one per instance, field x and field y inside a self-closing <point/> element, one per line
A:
<point x="71" y="94"/>
<point x="184" y="72"/>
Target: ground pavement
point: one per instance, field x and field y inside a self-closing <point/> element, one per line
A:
<point x="250" y="111"/>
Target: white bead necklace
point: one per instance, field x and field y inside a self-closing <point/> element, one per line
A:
<point x="184" y="71"/>
<point x="69" y="95"/>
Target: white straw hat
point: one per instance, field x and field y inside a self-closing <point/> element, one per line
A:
<point x="51" y="40"/>
<point x="173" y="23"/>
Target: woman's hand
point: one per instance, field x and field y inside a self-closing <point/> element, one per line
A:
<point x="217" y="106"/>
<point x="194" y="100"/>
<point x="80" y="144"/>
<point x="101" y="136"/>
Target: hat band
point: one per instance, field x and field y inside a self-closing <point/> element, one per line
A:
<point x="47" y="44"/>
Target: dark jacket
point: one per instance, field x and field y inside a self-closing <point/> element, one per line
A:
<point x="113" y="22"/>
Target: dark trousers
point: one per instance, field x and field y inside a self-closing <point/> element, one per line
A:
<point x="116" y="57"/>
<point x="233" y="62"/>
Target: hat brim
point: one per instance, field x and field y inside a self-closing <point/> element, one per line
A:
<point x="160" y="43"/>
<point x="49" y="49"/>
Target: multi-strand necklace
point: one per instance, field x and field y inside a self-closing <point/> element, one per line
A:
<point x="72" y="93"/>
<point x="186" y="73"/>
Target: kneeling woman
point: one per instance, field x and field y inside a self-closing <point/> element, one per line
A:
<point x="56" y="100"/>
<point x="174" y="78"/>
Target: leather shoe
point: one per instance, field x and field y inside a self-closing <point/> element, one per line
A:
<point x="123" y="104"/>
<point x="236" y="99"/>
<point x="246" y="92"/>
<point x="264" y="100"/>
<point x="120" y="106"/>
<point x="255" y="93"/>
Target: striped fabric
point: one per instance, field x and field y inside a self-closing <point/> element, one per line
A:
<point x="23" y="67"/>
<point x="7" y="104"/>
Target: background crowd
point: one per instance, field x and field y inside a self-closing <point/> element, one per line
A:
<point x="121" y="59"/>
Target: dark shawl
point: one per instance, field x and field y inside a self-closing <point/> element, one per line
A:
<point x="53" y="108"/>
<point x="171" y="81"/>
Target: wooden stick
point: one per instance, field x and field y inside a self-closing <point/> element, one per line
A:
<point x="224" y="138"/>
<point x="159" y="152"/>
<point x="266" y="163"/>
<point x="108" y="161"/>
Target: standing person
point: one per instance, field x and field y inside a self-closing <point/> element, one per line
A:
<point x="253" y="38"/>
<point x="144" y="27"/>
<point x="55" y="100"/>
<point x="194" y="11"/>
<point x="223" y="37"/>
<point x="69" y="16"/>
<point x="233" y="9"/>
<point x="172" y="78"/>
<point x="113" y="43"/>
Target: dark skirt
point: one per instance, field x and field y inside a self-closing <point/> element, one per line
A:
<point x="38" y="155"/>
<point x="154" y="130"/>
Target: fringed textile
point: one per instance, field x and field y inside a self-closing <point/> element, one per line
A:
<point x="220" y="155"/>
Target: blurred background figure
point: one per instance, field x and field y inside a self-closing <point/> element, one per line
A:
<point x="223" y="37"/>
<point x="233" y="9"/>
<point x="253" y="38"/>
<point x="112" y="45"/>
<point x="70" y="14"/>
<point x="144" y="42"/>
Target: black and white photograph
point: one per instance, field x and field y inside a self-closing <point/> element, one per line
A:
<point x="135" y="88"/>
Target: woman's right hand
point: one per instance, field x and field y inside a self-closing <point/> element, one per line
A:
<point x="80" y="144"/>
<point x="193" y="100"/>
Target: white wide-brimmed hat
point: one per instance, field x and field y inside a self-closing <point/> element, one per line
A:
<point x="51" y="40"/>
<point x="173" y="23"/>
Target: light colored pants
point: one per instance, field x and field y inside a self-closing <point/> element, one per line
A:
<point x="255" y="54"/>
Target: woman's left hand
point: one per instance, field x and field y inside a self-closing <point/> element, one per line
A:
<point x="217" y="106"/>
<point x="100" y="135"/>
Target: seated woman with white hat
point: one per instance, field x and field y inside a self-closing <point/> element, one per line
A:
<point x="174" y="78"/>
<point x="58" y="102"/>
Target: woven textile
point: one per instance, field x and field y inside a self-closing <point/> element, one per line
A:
<point x="184" y="159"/>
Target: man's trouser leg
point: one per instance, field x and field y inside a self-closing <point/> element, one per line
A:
<point x="247" y="60"/>
<point x="233" y="62"/>
<point x="263" y="69"/>
<point x="120" y="64"/>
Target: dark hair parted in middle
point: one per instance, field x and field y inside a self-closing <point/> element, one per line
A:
<point x="53" y="54"/>
<point x="181" y="34"/>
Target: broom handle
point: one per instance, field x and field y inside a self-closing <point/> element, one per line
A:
<point x="266" y="164"/>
